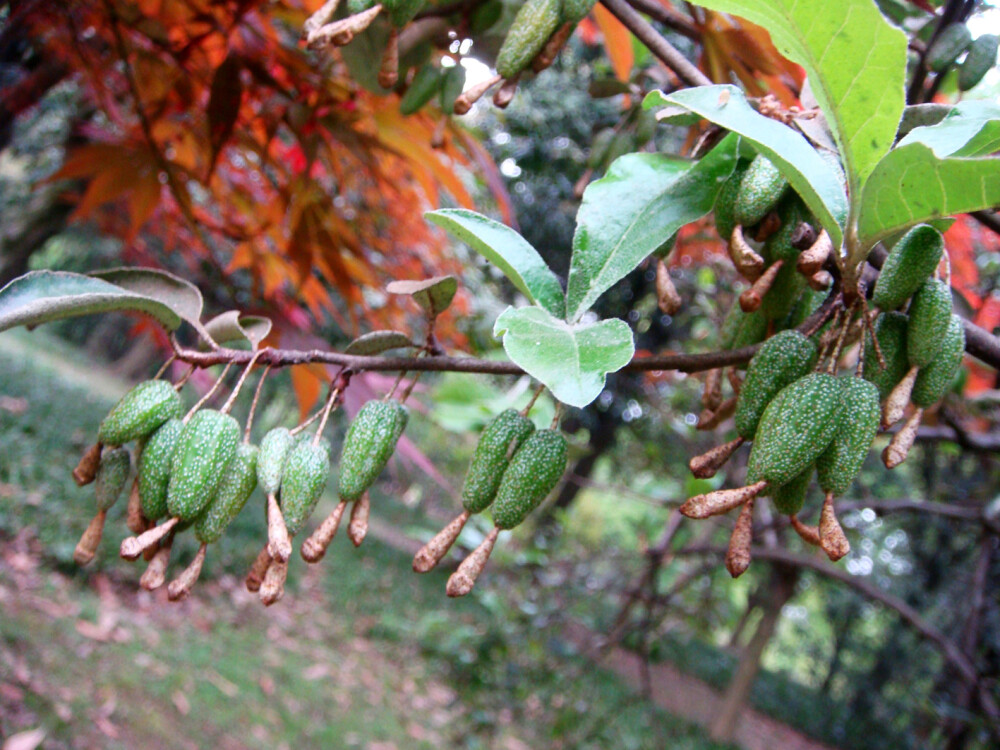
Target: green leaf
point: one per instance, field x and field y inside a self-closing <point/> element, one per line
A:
<point x="912" y="184"/>
<point x="376" y="342"/>
<point x="856" y="63"/>
<point x="809" y="174"/>
<point x="571" y="359"/>
<point x="972" y="128"/>
<point x="43" y="296"/>
<point x="181" y="296"/>
<point x="635" y="208"/>
<point x="433" y="295"/>
<point x="231" y="326"/>
<point x="508" y="251"/>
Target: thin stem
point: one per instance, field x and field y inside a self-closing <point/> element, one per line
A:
<point x="538" y="392"/>
<point x="409" y="388"/>
<point x="331" y="400"/>
<point x="207" y="396"/>
<point x="253" y="404"/>
<point x="239" y="384"/>
<point x="164" y="366"/>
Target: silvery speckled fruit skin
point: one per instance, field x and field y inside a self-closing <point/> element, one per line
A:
<point x="780" y="361"/>
<point x="370" y="441"/>
<point x="140" y="412"/>
<point x="930" y="315"/>
<point x="857" y="426"/>
<point x="154" y="468"/>
<point x="909" y="264"/>
<point x="274" y="449"/>
<point x="306" y="472"/>
<point x="796" y="427"/>
<point x="531" y="475"/>
<point x="204" y="450"/>
<point x="112" y="475"/>
<point x="789" y="498"/>
<point x="530" y="30"/>
<point x="890" y="331"/>
<point x="234" y="491"/>
<point x="760" y="190"/>
<point x="506" y="431"/>
<point x="934" y="380"/>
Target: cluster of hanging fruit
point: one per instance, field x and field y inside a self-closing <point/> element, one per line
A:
<point x="800" y="414"/>
<point x="538" y="32"/>
<point x="198" y="470"/>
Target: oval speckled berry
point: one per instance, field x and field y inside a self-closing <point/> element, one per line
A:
<point x="306" y="473"/>
<point x="858" y="423"/>
<point x="204" y="450"/>
<point x="234" y="491"/>
<point x="499" y="440"/>
<point x="274" y="449"/>
<point x="140" y="412"/>
<point x="368" y="445"/>
<point x="532" y="474"/>
<point x="112" y="476"/>
<point x="154" y="468"/>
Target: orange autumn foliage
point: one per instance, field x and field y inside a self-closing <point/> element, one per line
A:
<point x="225" y="150"/>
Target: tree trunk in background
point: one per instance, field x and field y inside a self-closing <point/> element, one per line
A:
<point x="782" y="585"/>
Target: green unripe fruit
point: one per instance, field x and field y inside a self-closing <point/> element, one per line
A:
<point x="574" y="11"/>
<point x="401" y="12"/>
<point x="531" y="475"/>
<point x="425" y="84"/>
<point x="760" y="190"/>
<point x="154" y="468"/>
<point x="369" y="443"/>
<point x="534" y="23"/>
<point x="499" y="440"/>
<point x="934" y="380"/>
<point x="306" y="473"/>
<point x="982" y="56"/>
<point x="234" y="491"/>
<point x="930" y="315"/>
<point x="951" y="43"/>
<point x="910" y="263"/>
<point x="204" y="450"/>
<point x="141" y="410"/>
<point x="452" y="83"/>
<point x="857" y="426"/>
<point x="890" y="331"/>
<point x="274" y="449"/>
<point x="780" y="361"/>
<point x="725" y="202"/>
<point x="795" y="429"/>
<point x="789" y="498"/>
<point x="112" y="475"/>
